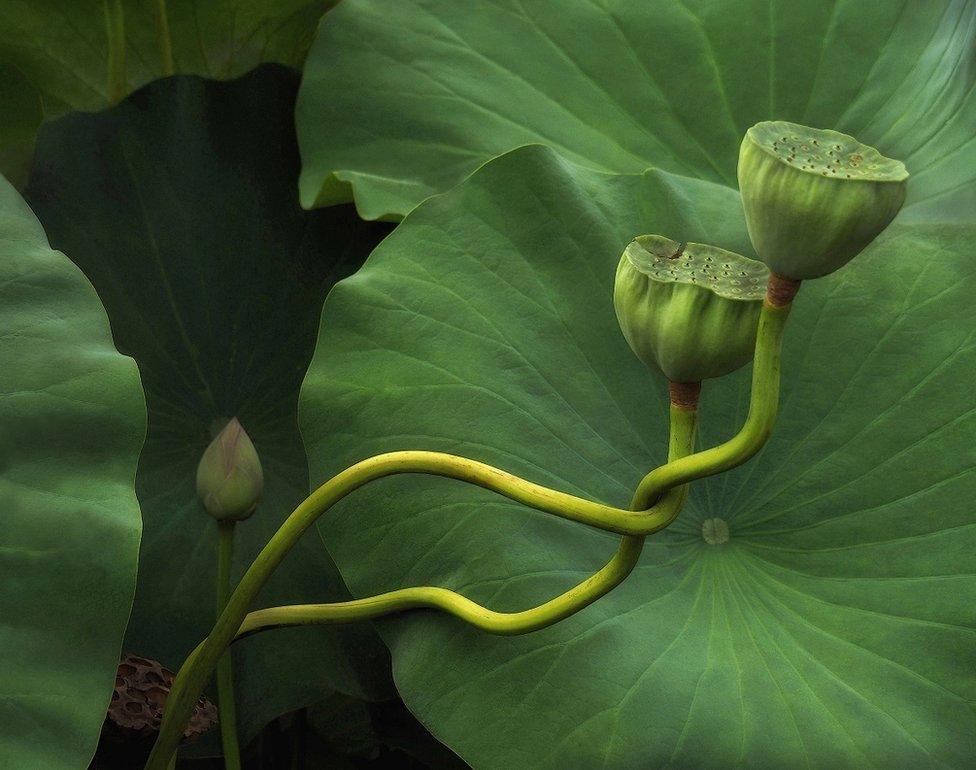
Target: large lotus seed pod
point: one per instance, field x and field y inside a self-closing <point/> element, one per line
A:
<point x="814" y="198"/>
<point x="139" y="698"/>
<point x="229" y="476"/>
<point x="689" y="311"/>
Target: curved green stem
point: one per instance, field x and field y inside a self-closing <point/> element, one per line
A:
<point x="659" y="485"/>
<point x="755" y="431"/>
<point x="683" y="425"/>
<point x="197" y="668"/>
<point x="225" y="669"/>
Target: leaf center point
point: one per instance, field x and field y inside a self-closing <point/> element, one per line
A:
<point x="715" y="531"/>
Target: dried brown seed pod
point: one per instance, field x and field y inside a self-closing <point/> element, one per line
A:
<point x="139" y="698"/>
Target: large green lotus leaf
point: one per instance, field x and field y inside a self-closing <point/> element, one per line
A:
<point x="180" y="206"/>
<point x="54" y="54"/>
<point x="403" y="98"/>
<point x="835" y="629"/>
<point x="72" y="422"/>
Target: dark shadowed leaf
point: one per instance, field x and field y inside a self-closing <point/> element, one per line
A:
<point x="55" y="54"/>
<point x="180" y="206"/>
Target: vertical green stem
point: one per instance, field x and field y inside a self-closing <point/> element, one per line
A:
<point x="115" y="30"/>
<point x="163" y="42"/>
<point x="225" y="671"/>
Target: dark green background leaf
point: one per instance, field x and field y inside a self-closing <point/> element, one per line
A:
<point x="72" y="421"/>
<point x="22" y="114"/>
<point x="403" y="98"/>
<point x="59" y="50"/>
<point x="180" y="206"/>
<point x="835" y="628"/>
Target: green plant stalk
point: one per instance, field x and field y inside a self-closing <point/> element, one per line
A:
<point x="115" y="31"/>
<point x="753" y="435"/>
<point x="163" y="41"/>
<point x="682" y="440"/>
<point x="198" y="666"/>
<point x="227" y="709"/>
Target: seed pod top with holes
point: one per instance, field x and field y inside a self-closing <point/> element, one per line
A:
<point x="814" y="198"/>
<point x="139" y="699"/>
<point x="689" y="311"/>
<point x="229" y="476"/>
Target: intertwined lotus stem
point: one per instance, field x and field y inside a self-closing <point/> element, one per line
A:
<point x="804" y="219"/>
<point x="656" y="504"/>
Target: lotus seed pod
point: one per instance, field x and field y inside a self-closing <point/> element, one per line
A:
<point x="689" y="311"/>
<point x="814" y="198"/>
<point x="229" y="476"/>
<point x="139" y="699"/>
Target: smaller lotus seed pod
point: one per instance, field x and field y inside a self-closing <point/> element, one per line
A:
<point x="689" y="311"/>
<point x="814" y="198"/>
<point x="229" y="476"/>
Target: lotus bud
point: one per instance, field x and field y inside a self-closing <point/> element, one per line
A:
<point x="689" y="311"/>
<point x="229" y="476"/>
<point x="814" y="198"/>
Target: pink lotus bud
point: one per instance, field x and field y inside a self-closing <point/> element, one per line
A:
<point x="229" y="477"/>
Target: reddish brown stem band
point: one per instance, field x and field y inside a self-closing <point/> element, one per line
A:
<point x="684" y="395"/>
<point x="780" y="291"/>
